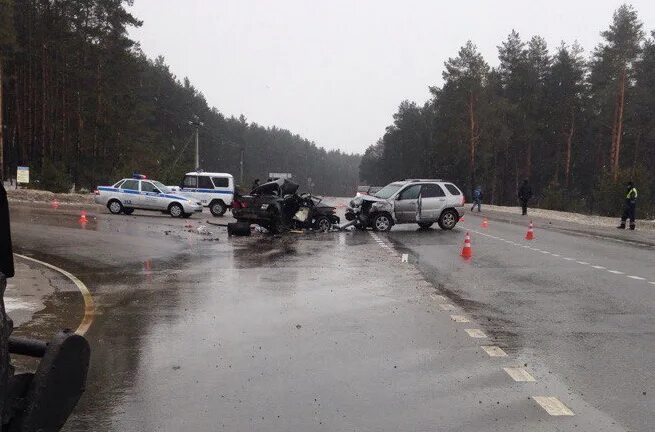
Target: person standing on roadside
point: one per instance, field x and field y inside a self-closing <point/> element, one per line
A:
<point x="6" y="255"/>
<point x="630" y="206"/>
<point x="477" y="198"/>
<point x="525" y="193"/>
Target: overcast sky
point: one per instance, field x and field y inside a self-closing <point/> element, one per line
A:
<point x="335" y="71"/>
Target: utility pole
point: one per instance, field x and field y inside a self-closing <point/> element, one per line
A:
<point x="197" y="124"/>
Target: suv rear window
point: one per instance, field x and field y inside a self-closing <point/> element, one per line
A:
<point x="221" y="182"/>
<point x="452" y="189"/>
<point x="205" y="182"/>
<point x="432" y="191"/>
<point x="190" y="181"/>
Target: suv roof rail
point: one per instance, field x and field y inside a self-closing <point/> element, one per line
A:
<point x="419" y="180"/>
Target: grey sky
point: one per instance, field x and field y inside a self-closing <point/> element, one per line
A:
<point x="335" y="71"/>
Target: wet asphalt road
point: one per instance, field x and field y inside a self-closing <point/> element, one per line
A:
<point x="195" y="331"/>
<point x="573" y="306"/>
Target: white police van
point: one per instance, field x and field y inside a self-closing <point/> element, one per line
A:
<point x="213" y="190"/>
<point x="138" y="192"/>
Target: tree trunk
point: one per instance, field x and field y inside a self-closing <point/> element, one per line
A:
<point x="472" y="140"/>
<point x="619" y="127"/>
<point x="44" y="106"/>
<point x="567" y="158"/>
<point x="634" y="159"/>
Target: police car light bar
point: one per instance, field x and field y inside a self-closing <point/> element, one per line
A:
<point x="138" y="176"/>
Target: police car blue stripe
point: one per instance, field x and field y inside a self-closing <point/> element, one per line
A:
<point x="133" y="192"/>
<point x="218" y="191"/>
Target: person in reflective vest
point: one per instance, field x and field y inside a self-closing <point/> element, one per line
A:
<point x="629" y="208"/>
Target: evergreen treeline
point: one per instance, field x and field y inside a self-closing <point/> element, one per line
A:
<point x="578" y="127"/>
<point x="81" y="104"/>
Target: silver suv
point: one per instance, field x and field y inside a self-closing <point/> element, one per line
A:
<point x="419" y="201"/>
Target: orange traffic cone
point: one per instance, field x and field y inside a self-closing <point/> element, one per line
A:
<point x="485" y="223"/>
<point x="466" y="250"/>
<point x="83" y="218"/>
<point x="530" y="234"/>
<point x="55" y="204"/>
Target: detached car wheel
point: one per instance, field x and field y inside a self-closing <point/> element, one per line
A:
<point x="176" y="210"/>
<point x="382" y="222"/>
<point x="323" y="224"/>
<point x="115" y="207"/>
<point x="217" y="208"/>
<point x="448" y="219"/>
<point x="241" y="229"/>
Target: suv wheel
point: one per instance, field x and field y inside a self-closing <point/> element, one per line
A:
<point x="382" y="222"/>
<point x="115" y="207"/>
<point x="217" y="208"/>
<point x="448" y="219"/>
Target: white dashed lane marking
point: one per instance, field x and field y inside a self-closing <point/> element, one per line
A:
<point x="553" y="406"/>
<point x="494" y="351"/>
<point x="475" y="333"/>
<point x="447" y="307"/>
<point x="519" y="374"/>
<point x="459" y="318"/>
<point x="545" y="252"/>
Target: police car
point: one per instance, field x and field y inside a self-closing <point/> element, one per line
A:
<point x="211" y="189"/>
<point x="140" y="193"/>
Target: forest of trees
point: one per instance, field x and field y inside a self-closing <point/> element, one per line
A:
<point x="82" y="105"/>
<point x="577" y="126"/>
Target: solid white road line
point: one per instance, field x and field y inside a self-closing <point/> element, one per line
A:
<point x="553" y="406"/>
<point x="89" y="305"/>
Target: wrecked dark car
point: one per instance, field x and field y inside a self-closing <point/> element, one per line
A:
<point x="277" y="207"/>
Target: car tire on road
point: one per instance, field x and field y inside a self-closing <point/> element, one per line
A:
<point x="448" y="219"/>
<point x="128" y="211"/>
<point x="382" y="222"/>
<point x="217" y="208"/>
<point x="175" y="210"/>
<point x="425" y="225"/>
<point x="115" y="206"/>
<point x="322" y="224"/>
